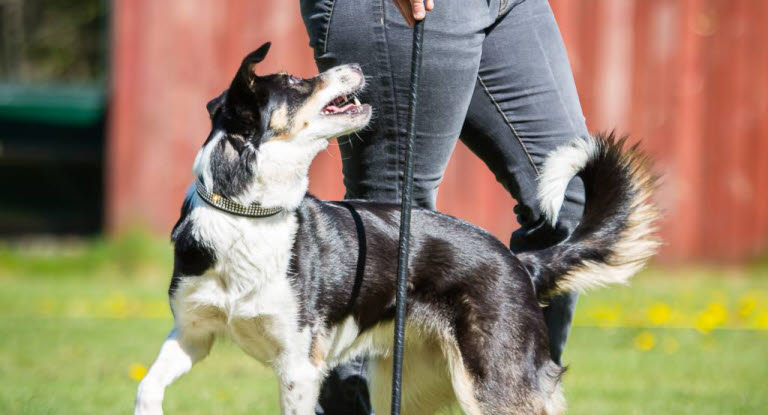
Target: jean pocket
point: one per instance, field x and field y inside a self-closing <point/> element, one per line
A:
<point x="317" y="16"/>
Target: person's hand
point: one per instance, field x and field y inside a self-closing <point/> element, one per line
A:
<point x="414" y="10"/>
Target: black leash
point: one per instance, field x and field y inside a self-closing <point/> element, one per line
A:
<point x="405" y="223"/>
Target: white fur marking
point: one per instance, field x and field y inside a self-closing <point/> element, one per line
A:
<point x="202" y="165"/>
<point x="559" y="168"/>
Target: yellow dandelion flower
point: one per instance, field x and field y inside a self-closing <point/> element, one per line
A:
<point x="712" y="317"/>
<point x="719" y="312"/>
<point x="137" y="371"/>
<point x="747" y="305"/>
<point x="761" y="321"/>
<point x="645" y="341"/>
<point x="670" y="345"/>
<point x="117" y="305"/>
<point x="659" y="314"/>
<point x="704" y="323"/>
<point x="223" y="395"/>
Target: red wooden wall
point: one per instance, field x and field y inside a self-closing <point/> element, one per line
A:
<point x="687" y="77"/>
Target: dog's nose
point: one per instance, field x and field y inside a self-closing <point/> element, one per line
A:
<point x="356" y="67"/>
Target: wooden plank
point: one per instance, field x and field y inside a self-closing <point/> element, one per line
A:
<point x="756" y="148"/>
<point x="123" y="124"/>
<point x="614" y="54"/>
<point x="687" y="143"/>
<point x="761" y="148"/>
<point x="654" y="53"/>
<point x="722" y="133"/>
<point x="586" y="74"/>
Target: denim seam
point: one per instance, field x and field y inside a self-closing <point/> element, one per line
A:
<point x="509" y="123"/>
<point x="554" y="81"/>
<point x="388" y="61"/>
<point x="328" y="26"/>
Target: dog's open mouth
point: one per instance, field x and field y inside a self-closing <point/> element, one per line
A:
<point x="343" y="105"/>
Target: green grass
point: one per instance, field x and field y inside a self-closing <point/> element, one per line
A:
<point x="77" y="317"/>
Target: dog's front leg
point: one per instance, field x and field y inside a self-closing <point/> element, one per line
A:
<point x="177" y="355"/>
<point x="299" y="384"/>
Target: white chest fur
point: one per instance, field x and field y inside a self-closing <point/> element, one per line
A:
<point x="246" y="295"/>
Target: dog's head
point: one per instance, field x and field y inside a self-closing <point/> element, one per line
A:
<point x="267" y="129"/>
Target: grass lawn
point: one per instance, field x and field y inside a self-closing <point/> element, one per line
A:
<point x="80" y="323"/>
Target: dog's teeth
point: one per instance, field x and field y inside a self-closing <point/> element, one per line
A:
<point x="357" y="101"/>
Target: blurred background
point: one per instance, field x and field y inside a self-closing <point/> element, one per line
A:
<point x="102" y="110"/>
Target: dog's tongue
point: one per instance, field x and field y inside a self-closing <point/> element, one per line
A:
<point x="333" y="109"/>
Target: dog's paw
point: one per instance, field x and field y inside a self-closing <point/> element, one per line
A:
<point x="148" y="407"/>
<point x="149" y="400"/>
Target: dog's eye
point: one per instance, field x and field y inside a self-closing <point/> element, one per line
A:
<point x="292" y="80"/>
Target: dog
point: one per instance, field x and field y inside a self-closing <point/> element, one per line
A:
<point x="302" y="284"/>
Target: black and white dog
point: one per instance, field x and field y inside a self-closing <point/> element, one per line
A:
<point x="302" y="284"/>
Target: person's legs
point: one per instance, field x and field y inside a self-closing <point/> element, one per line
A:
<point x="374" y="34"/>
<point x="524" y="106"/>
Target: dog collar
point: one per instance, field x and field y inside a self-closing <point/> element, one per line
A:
<point x="254" y="210"/>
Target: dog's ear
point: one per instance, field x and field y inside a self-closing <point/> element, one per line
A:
<point x="247" y="71"/>
<point x="214" y="105"/>
<point x="246" y="97"/>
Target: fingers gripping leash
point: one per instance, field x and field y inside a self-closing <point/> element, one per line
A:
<point x="405" y="221"/>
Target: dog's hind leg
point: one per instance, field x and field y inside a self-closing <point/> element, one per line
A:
<point x="177" y="355"/>
<point x="529" y="391"/>
<point x="461" y="380"/>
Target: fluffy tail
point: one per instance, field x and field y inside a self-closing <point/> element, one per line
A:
<point x="616" y="235"/>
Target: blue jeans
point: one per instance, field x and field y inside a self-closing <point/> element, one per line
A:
<point x="496" y="75"/>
